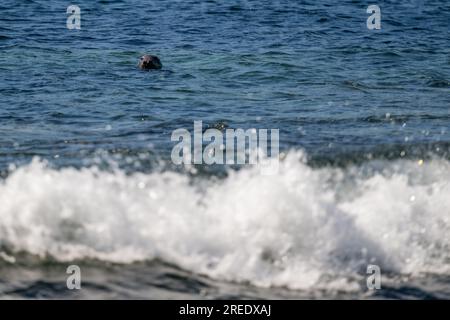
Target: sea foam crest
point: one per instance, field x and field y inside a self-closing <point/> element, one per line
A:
<point x="301" y="228"/>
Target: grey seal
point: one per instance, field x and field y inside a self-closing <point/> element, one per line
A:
<point x="149" y="62"/>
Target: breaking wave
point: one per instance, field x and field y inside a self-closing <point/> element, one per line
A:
<point x="304" y="227"/>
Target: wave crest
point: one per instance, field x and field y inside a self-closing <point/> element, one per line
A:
<point x="301" y="228"/>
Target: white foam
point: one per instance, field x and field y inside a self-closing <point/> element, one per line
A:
<point x="301" y="228"/>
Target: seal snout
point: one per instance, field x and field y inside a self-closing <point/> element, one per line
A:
<point x="149" y="62"/>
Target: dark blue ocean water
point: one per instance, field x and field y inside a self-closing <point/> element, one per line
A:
<point x="347" y="97"/>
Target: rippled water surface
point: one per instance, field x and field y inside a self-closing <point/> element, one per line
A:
<point x="364" y="129"/>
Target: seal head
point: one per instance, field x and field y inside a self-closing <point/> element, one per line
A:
<point x="149" y="62"/>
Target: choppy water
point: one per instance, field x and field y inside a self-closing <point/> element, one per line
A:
<point x="364" y="125"/>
